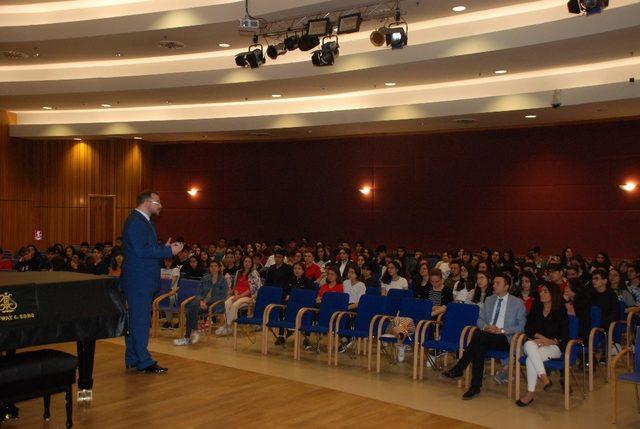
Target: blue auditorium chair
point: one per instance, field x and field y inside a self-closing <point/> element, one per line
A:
<point x="298" y="299"/>
<point x="161" y="303"/>
<point x="632" y="377"/>
<point x="266" y="295"/>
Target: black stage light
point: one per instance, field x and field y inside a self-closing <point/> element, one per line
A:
<point x="589" y="7"/>
<point x="291" y="43"/>
<point x="396" y="37"/>
<point x="326" y="55"/>
<point x="241" y="59"/>
<point x="308" y="42"/>
<point x="274" y="51"/>
<point x="377" y="37"/>
<point x="255" y="58"/>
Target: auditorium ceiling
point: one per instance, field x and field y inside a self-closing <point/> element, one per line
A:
<point x="95" y="68"/>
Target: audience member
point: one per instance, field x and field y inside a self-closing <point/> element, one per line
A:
<point x="192" y="270"/>
<point x="246" y="283"/>
<point x="420" y="283"/>
<point x="438" y="294"/>
<point x="463" y="288"/>
<point x="333" y="284"/>
<point x="354" y="287"/>
<point x="391" y="278"/>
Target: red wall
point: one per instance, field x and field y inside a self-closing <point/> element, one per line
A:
<point x="552" y="186"/>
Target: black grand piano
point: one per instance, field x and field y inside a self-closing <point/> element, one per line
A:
<point x="38" y="308"/>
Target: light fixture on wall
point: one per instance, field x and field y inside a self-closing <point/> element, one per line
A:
<point x="628" y="187"/>
<point x="193" y="192"/>
<point x="365" y="190"/>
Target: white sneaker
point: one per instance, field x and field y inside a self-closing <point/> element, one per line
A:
<point x="228" y="331"/>
<point x="400" y="350"/>
<point x="181" y="342"/>
<point x="221" y="330"/>
<point x="195" y="337"/>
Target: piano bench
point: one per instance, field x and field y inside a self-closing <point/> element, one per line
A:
<point x="37" y="374"/>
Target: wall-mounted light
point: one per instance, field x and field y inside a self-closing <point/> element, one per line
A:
<point x="628" y="187"/>
<point x="193" y="192"/>
<point x="365" y="190"/>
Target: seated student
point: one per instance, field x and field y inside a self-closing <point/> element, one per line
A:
<point x="437" y="293"/>
<point x="343" y="262"/>
<point x="547" y="330"/>
<point x="633" y="282"/>
<point x="482" y="290"/>
<point x="368" y="276"/>
<point x="556" y="276"/>
<point x="455" y="267"/>
<point x="420" y="283"/>
<point x="618" y="286"/>
<point x="443" y="264"/>
<point x="97" y="265"/>
<point x="527" y="291"/>
<point x="26" y="262"/>
<point x="312" y="270"/>
<point x="605" y="298"/>
<point x="464" y="287"/>
<point x="5" y="264"/>
<point x="577" y="303"/>
<point x="117" y="258"/>
<point x="246" y="283"/>
<point x="74" y="265"/>
<point x="501" y="317"/>
<point x="229" y="261"/>
<point x="391" y="278"/>
<point x="322" y="256"/>
<point x="299" y="280"/>
<point x="170" y="272"/>
<point x="333" y="284"/>
<point x="279" y="273"/>
<point x="212" y="288"/>
<point x="84" y="251"/>
<point x="192" y="270"/>
<point x="354" y="287"/>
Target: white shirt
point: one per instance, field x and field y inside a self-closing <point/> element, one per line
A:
<point x="400" y="283"/>
<point x="503" y="311"/>
<point x="146" y="216"/>
<point x="461" y="295"/>
<point x="170" y="274"/>
<point x="355" y="291"/>
<point x="271" y="260"/>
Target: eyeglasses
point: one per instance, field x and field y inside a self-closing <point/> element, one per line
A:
<point x="156" y="203"/>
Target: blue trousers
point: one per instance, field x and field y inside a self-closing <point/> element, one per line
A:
<point x="139" y="324"/>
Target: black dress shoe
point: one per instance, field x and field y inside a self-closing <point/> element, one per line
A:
<point x="471" y="393"/>
<point x="454" y="372"/>
<point x="154" y="369"/>
<point x="523" y="404"/>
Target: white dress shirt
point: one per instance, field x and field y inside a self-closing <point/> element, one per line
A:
<point x="146" y="216"/>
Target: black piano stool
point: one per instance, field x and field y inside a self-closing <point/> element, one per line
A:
<point x="37" y="374"/>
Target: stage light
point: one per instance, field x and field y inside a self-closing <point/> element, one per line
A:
<point x="349" y="23"/>
<point x="193" y="192"/>
<point x="396" y="38"/>
<point x="326" y="55"/>
<point x="365" y="190"/>
<point x="628" y="187"/>
<point x="308" y="42"/>
<point x="587" y="6"/>
<point x="377" y="37"/>
<point x="319" y="27"/>
<point x="274" y="51"/>
<point x="394" y="34"/>
<point x="291" y="43"/>
<point x="254" y="58"/>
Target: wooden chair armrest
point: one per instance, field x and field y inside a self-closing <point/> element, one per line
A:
<point x="381" y="320"/>
<point x="156" y="302"/>
<point x="267" y="312"/>
<point x="514" y="342"/>
<point x="633" y="311"/>
<point x="518" y="350"/>
<point x="421" y="330"/>
<point x="301" y="314"/>
<point x="338" y="317"/>
<point x="612" y="326"/>
<point x="184" y="303"/>
<point x="624" y="351"/>
<point x="466" y="334"/>
<point x="592" y="336"/>
<point x="567" y="351"/>
<point x="213" y="305"/>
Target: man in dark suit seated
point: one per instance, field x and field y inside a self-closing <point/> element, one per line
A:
<point x="140" y="278"/>
<point x="502" y="316"/>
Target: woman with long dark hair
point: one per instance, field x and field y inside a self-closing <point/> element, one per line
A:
<point x="527" y="289"/>
<point x="391" y="278"/>
<point x="463" y="288"/>
<point x="547" y="330"/>
<point x="482" y="290"/>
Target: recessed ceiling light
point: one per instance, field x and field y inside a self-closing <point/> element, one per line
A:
<point x="459" y="8"/>
<point x="47" y="107"/>
<point x="276" y="95"/>
<point x="224" y="45"/>
<point x="105" y="105"/>
<point x="77" y="139"/>
<point x="390" y="84"/>
<point x="137" y="138"/>
<point x="530" y="116"/>
<point x="500" y="71"/>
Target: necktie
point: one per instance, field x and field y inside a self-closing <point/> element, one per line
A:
<point x="495" y="317"/>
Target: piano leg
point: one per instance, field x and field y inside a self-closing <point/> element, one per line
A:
<point x="86" y="353"/>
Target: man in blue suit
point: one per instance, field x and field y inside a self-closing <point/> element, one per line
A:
<point x="140" y="277"/>
<point x="502" y="316"/>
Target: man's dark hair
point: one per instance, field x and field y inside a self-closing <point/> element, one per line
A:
<point x="600" y="272"/>
<point x="144" y="196"/>
<point x="505" y="276"/>
<point x="554" y="267"/>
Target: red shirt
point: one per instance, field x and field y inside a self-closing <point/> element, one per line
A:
<point x="325" y="288"/>
<point x="5" y="265"/>
<point x="527" y="303"/>
<point x="312" y="272"/>
<point x="242" y="285"/>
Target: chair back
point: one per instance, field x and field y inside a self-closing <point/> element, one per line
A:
<point x="394" y="299"/>
<point x="637" y="351"/>
<point x="165" y="286"/>
<point x="596" y="316"/>
<point x="455" y="319"/>
<point x="373" y="290"/>
<point x="417" y="309"/>
<point x="574" y="334"/>
<point x="332" y="302"/>
<point x="299" y="298"/>
<point x="267" y="295"/>
<point x="369" y="306"/>
<point x="316" y="286"/>
<point x="187" y="288"/>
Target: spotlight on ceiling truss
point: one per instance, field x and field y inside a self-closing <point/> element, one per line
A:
<point x="587" y="7"/>
<point x="326" y="55"/>
<point x="394" y="34"/>
<point x="253" y="58"/>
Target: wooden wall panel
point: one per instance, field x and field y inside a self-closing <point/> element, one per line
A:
<point x="45" y="185"/>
